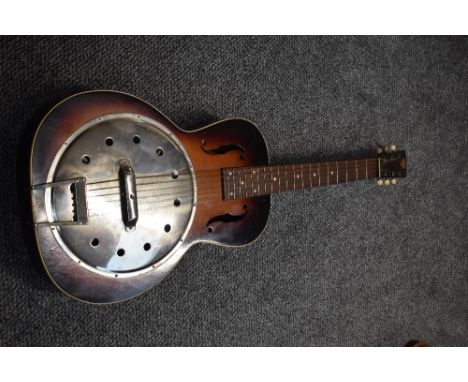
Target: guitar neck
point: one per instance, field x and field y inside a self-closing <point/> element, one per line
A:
<point x="245" y="182"/>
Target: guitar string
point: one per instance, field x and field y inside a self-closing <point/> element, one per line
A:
<point x="201" y="180"/>
<point x="169" y="201"/>
<point x="240" y="192"/>
<point x="216" y="172"/>
<point x="161" y="198"/>
<point x="242" y="171"/>
<point x="290" y="179"/>
<point x="243" y="193"/>
<point x="240" y="189"/>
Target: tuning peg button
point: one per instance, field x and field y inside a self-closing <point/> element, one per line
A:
<point x="392" y="148"/>
<point x="379" y="182"/>
<point x="394" y="181"/>
<point x="387" y="182"/>
<point x="379" y="150"/>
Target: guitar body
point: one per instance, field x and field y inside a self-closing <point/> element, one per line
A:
<point x="119" y="193"/>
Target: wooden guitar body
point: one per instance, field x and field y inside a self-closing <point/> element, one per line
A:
<point x="227" y="143"/>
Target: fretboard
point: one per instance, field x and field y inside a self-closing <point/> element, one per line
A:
<point x="245" y="182"/>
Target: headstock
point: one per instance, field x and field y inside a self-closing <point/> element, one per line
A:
<point x="391" y="164"/>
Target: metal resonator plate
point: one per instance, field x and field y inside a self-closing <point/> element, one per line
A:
<point x="165" y="194"/>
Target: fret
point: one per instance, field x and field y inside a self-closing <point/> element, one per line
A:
<point x="234" y="176"/>
<point x="278" y="179"/>
<point x="242" y="185"/>
<point x="310" y="174"/>
<point x="264" y="182"/>
<point x="225" y="184"/>
<point x="294" y="178"/>
<point x="257" y="186"/>
<point x="346" y="171"/>
<point x="248" y="182"/>
<point x="281" y="178"/>
<point x="302" y="176"/>
<point x="234" y="183"/>
<point x="258" y="183"/>
<point x="331" y="173"/>
<point x="268" y="176"/>
<point x="293" y="185"/>
<point x="241" y="181"/>
<point x="228" y="188"/>
<point x="318" y="172"/>
<point x="271" y="178"/>
<point x="245" y="181"/>
<point x="297" y="178"/>
<point x="243" y="188"/>
<point x="328" y="175"/>
<point x="337" y="180"/>
<point x="286" y="177"/>
<point x="251" y="181"/>
<point x="252" y="172"/>
<point x="289" y="170"/>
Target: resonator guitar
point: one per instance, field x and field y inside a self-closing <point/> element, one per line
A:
<point x="119" y="193"/>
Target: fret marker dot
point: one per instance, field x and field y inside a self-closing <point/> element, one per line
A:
<point x="274" y="179"/>
<point x="231" y="193"/>
<point x="253" y="172"/>
<point x="230" y="173"/>
<point x="242" y="182"/>
<point x="331" y="172"/>
<point x="298" y="176"/>
<point x="255" y="191"/>
<point x="315" y="174"/>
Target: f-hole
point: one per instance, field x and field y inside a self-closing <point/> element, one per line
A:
<point x="227" y="218"/>
<point x="223" y="149"/>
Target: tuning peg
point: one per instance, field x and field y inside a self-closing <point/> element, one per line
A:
<point x="392" y="148"/>
<point x="386" y="148"/>
<point x="387" y="182"/>
<point x="379" y="150"/>
<point x="394" y="181"/>
<point x="379" y="182"/>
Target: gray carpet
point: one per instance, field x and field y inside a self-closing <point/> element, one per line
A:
<point x="353" y="264"/>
